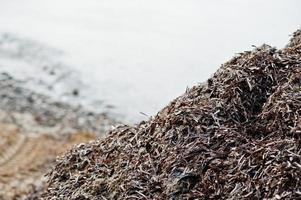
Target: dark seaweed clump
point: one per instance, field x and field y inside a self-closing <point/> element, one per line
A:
<point x="237" y="136"/>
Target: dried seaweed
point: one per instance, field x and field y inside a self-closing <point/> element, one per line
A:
<point x="235" y="137"/>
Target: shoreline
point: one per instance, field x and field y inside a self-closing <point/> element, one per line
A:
<point x="32" y="111"/>
<point x="34" y="130"/>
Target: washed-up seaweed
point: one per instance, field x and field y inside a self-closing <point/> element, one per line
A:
<point x="237" y="136"/>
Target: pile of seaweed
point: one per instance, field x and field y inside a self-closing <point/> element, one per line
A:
<point x="237" y="136"/>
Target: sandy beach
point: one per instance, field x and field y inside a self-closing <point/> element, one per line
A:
<point x="34" y="130"/>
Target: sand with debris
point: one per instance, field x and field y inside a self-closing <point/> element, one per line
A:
<point x="237" y="136"/>
<point x="34" y="130"/>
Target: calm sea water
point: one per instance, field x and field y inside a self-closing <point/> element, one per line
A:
<point x="135" y="55"/>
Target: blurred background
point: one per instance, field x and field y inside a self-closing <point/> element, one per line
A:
<point x="130" y="58"/>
